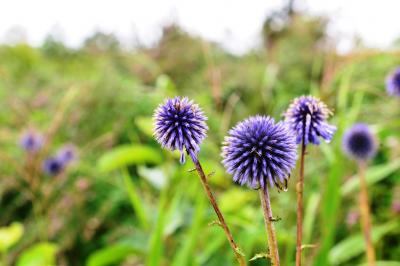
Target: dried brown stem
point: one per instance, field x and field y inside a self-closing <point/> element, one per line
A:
<point x="269" y="226"/>
<point x="221" y="219"/>
<point x="299" y="189"/>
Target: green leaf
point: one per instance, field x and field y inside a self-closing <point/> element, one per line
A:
<point x="156" y="245"/>
<point x="383" y="263"/>
<point x="166" y="85"/>
<point x="145" y="124"/>
<point x="111" y="255"/>
<point x="41" y="254"/>
<point x="309" y="217"/>
<point x="135" y="200"/>
<point x="128" y="154"/>
<point x="10" y="235"/>
<point x="355" y="245"/>
<point x="373" y="175"/>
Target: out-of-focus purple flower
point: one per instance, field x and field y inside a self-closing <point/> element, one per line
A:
<point x="31" y="141"/>
<point x="179" y="124"/>
<point x="307" y="117"/>
<point x="259" y="151"/>
<point x="52" y="166"/>
<point x="66" y="154"/>
<point x="393" y="83"/>
<point x="359" y="142"/>
<point x="352" y="218"/>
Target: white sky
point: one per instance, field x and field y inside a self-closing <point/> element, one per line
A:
<point x="236" y="24"/>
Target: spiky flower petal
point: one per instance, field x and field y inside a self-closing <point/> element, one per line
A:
<point x="259" y="151"/>
<point x="393" y="83"/>
<point x="307" y="116"/>
<point x="359" y="142"/>
<point x="179" y="124"/>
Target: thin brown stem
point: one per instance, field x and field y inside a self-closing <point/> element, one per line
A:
<point x="299" y="189"/>
<point x="365" y="214"/>
<point x="269" y="226"/>
<point x="221" y="219"/>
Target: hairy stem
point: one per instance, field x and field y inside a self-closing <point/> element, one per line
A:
<point x="221" y="219"/>
<point x="268" y="220"/>
<point x="299" y="189"/>
<point x="365" y="214"/>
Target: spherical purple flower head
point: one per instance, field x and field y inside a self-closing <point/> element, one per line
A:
<point x="359" y="143"/>
<point x="258" y="151"/>
<point x="52" y="166"/>
<point x="31" y="141"/>
<point x="393" y="83"/>
<point x="66" y="154"/>
<point x="179" y="124"/>
<point x="307" y="116"/>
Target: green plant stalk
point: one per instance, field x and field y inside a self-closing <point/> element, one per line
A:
<point x="299" y="189"/>
<point x="365" y="216"/>
<point x="269" y="226"/>
<point x="232" y="243"/>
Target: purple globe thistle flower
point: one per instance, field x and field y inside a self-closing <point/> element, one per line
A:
<point x="179" y="124"/>
<point x="359" y="143"/>
<point x="307" y="116"/>
<point x="258" y="151"/>
<point x="52" y="166"/>
<point x="393" y="83"/>
<point x="66" y="154"/>
<point x="31" y="141"/>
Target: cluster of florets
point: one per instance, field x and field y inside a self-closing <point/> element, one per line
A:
<point x="307" y="117"/>
<point x="179" y="124"/>
<point x="259" y="151"/>
<point x="359" y="143"/>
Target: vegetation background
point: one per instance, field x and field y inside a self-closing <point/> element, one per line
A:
<point x="128" y="202"/>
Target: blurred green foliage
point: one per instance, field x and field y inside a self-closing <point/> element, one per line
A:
<point x="128" y="202"/>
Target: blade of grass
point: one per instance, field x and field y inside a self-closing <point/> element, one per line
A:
<point x="185" y="252"/>
<point x="136" y="202"/>
<point x="156" y="245"/>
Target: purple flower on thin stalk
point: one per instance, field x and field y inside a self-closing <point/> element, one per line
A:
<point x="259" y="151"/>
<point x="52" y="166"/>
<point x="179" y="124"/>
<point x="31" y="141"/>
<point x="307" y="117"/>
<point x="359" y="143"/>
<point x="393" y="83"/>
<point x="67" y="154"/>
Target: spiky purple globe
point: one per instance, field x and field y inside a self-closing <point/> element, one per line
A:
<point x="393" y="83"/>
<point x="31" y="141"/>
<point x="359" y="143"/>
<point x="179" y="124"/>
<point x="307" y="117"/>
<point x="259" y="151"/>
<point x="52" y="166"/>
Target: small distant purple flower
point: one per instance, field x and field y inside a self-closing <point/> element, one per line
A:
<point x="259" y="151"/>
<point x="352" y="218"/>
<point x="359" y="142"/>
<point x="66" y="154"/>
<point x="31" y="141"/>
<point x="179" y="124"/>
<point x="396" y="206"/>
<point x="393" y="83"/>
<point x="307" y="117"/>
<point x="52" y="166"/>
